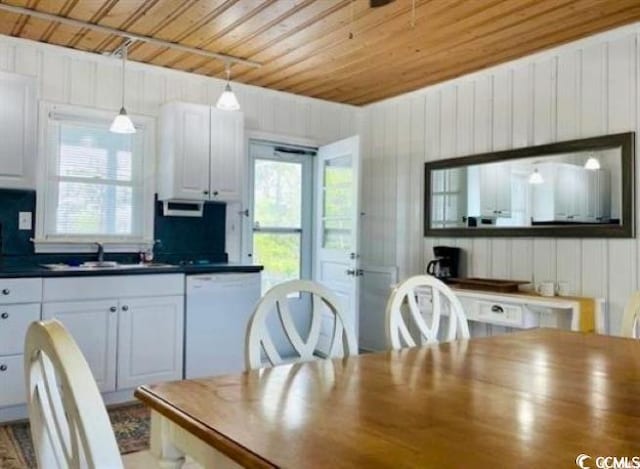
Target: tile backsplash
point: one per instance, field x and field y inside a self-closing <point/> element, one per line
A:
<point x="180" y="237"/>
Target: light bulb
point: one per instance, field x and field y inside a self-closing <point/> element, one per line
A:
<point x="592" y="163"/>
<point x="122" y="124"/>
<point x="536" y="177"/>
<point x="227" y="100"/>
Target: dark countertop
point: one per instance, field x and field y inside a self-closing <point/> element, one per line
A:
<point x="39" y="271"/>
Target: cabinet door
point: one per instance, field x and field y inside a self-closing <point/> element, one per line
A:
<point x="502" y="183"/>
<point x="191" y="158"/>
<point x="488" y="190"/>
<point x="17" y="130"/>
<point x="150" y="340"/>
<point x="227" y="155"/>
<point x="93" y="325"/>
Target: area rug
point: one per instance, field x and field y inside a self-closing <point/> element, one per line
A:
<point x="130" y="425"/>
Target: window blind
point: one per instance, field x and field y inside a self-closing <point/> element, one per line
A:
<point x="95" y="184"/>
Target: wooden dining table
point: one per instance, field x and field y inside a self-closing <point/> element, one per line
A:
<point x="538" y="398"/>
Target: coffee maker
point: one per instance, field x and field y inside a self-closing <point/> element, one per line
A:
<point x="446" y="263"/>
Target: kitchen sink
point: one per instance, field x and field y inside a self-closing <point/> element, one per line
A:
<point x="104" y="265"/>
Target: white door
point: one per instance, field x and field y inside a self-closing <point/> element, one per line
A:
<point x="17" y="130"/>
<point x="93" y="325"/>
<point x="227" y="155"/>
<point x="150" y="340"/>
<point x="337" y="220"/>
<point x="192" y="152"/>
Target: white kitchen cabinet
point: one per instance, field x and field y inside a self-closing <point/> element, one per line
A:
<point x="93" y="325"/>
<point x="201" y="153"/>
<point x="495" y="190"/>
<point x="130" y="328"/>
<point x="150" y="340"/>
<point x="17" y="131"/>
<point x="19" y="306"/>
<point x="571" y="193"/>
<point x="184" y="152"/>
<point x="227" y="155"/>
<point x="12" y="388"/>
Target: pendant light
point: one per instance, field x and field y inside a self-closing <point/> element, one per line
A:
<point x="535" y="177"/>
<point x="227" y="100"/>
<point x="592" y="163"/>
<point x="122" y="123"/>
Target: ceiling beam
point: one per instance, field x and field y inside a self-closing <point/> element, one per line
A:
<point x="229" y="59"/>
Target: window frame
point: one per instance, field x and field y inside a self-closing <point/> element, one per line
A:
<point x="46" y="242"/>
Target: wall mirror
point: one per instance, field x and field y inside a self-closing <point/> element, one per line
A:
<point x="579" y="188"/>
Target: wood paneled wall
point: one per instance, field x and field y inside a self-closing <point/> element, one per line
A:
<point x="75" y="77"/>
<point x="582" y="89"/>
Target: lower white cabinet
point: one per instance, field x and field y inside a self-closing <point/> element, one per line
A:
<point x="93" y="325"/>
<point x="131" y="336"/>
<point x="150" y="345"/>
<point x="12" y="390"/>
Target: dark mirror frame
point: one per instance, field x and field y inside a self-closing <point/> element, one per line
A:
<point x="626" y="141"/>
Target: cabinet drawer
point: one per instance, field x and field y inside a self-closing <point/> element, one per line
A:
<point x="14" y="320"/>
<point x="20" y="290"/>
<point x="12" y="381"/>
<point x="500" y="313"/>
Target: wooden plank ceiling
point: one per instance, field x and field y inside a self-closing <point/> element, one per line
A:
<point x="339" y="50"/>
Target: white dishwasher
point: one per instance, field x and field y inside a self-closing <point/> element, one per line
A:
<point x="218" y="310"/>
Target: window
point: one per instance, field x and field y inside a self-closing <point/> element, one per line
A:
<point x="281" y="194"/>
<point x="96" y="183"/>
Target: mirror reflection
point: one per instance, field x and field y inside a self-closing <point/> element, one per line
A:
<point x="566" y="189"/>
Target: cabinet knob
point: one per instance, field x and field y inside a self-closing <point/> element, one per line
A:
<point x="125" y="308"/>
<point x="3" y="367"/>
<point x="6" y="291"/>
<point x="4" y="315"/>
<point x="205" y="192"/>
<point x="113" y="309"/>
<point x="215" y="193"/>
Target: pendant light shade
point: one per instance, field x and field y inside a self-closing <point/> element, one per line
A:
<point x="122" y="123"/>
<point x="592" y="163"/>
<point x="536" y="177"/>
<point x="227" y="100"/>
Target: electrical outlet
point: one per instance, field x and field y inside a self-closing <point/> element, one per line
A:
<point x="24" y="220"/>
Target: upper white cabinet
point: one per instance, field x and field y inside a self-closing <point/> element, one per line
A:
<point x="572" y="193"/>
<point x="495" y="190"/>
<point x="201" y="153"/>
<point x="17" y="131"/>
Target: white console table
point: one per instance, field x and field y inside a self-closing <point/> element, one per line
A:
<point x="522" y="310"/>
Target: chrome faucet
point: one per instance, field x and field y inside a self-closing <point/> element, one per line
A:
<point x="100" y="252"/>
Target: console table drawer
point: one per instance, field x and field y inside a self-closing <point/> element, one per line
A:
<point x="505" y="314"/>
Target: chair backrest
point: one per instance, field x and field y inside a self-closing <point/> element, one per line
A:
<point x="342" y="340"/>
<point x="631" y="317"/>
<point x="404" y="298"/>
<point x="70" y="427"/>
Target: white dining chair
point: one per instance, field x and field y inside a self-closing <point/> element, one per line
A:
<point x="403" y="302"/>
<point x="70" y="427"/>
<point x="631" y="317"/>
<point x="342" y="340"/>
